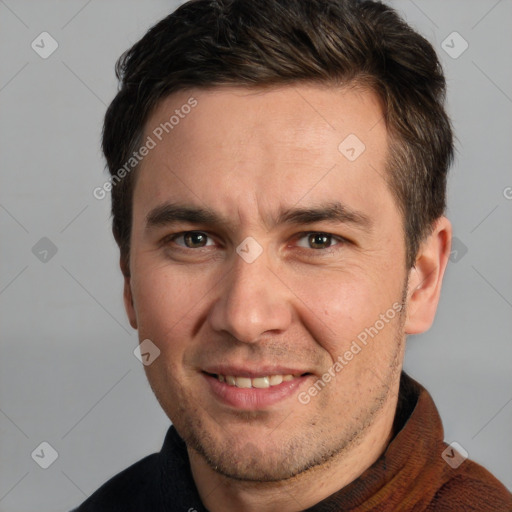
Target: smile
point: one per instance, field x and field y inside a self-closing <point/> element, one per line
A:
<point x="257" y="382"/>
<point x="254" y="392"/>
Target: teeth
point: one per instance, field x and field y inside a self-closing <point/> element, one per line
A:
<point x="243" y="382"/>
<point x="276" y="379"/>
<point x="261" y="382"/>
<point x="258" y="382"/>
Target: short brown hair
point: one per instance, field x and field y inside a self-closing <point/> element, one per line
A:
<point x="207" y="43"/>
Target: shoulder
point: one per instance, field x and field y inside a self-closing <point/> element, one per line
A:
<point x="126" y="490"/>
<point x="471" y="487"/>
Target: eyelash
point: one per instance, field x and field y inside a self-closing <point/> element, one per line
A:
<point x="299" y="236"/>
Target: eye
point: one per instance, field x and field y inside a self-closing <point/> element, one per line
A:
<point x="192" y="239"/>
<point x="318" y="240"/>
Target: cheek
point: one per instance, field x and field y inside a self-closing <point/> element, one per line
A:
<point x="164" y="303"/>
<point x="336" y="308"/>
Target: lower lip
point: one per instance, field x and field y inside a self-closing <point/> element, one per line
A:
<point x="252" y="399"/>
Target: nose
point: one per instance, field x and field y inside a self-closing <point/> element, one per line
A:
<point x="251" y="301"/>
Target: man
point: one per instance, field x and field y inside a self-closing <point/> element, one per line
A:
<point x="278" y="186"/>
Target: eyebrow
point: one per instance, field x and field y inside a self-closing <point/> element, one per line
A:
<point x="331" y="212"/>
<point x="171" y="213"/>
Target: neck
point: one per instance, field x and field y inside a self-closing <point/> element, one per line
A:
<point x="221" y="493"/>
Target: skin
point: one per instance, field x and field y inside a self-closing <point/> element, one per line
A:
<point x="247" y="154"/>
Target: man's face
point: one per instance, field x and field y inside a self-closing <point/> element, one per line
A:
<point x="325" y="263"/>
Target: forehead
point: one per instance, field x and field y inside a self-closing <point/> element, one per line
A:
<point x="302" y="115"/>
<point x="232" y="148"/>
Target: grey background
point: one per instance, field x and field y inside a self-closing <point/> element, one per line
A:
<point x="68" y="375"/>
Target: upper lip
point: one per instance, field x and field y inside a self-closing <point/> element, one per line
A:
<point x="253" y="372"/>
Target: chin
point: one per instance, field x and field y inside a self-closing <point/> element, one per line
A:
<point x="257" y="457"/>
<point x="252" y="463"/>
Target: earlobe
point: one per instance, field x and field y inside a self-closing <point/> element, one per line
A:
<point x="426" y="277"/>
<point x="128" y="299"/>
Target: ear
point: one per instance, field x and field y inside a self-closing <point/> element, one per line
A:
<point x="426" y="277"/>
<point x="127" y="294"/>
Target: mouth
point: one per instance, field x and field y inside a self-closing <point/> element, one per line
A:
<point x="257" y="382"/>
<point x="253" y="392"/>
